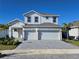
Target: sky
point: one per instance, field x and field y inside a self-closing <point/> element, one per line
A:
<point x="67" y="9"/>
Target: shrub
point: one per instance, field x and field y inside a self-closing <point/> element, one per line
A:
<point x="9" y="41"/>
<point x="71" y="37"/>
<point x="2" y="38"/>
<point x="1" y="42"/>
<point x="4" y="42"/>
<point x="16" y="42"/>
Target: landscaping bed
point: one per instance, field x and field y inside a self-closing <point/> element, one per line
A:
<point x="8" y="43"/>
<point x="7" y="47"/>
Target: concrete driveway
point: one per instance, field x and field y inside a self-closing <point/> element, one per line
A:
<point x="46" y="44"/>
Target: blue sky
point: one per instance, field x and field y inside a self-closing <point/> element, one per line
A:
<point x="67" y="9"/>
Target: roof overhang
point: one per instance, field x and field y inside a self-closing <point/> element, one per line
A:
<point x="42" y="14"/>
<point x="43" y="25"/>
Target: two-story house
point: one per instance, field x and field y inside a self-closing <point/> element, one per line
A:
<point x="36" y="26"/>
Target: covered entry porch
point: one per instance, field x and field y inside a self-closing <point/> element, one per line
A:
<point x="16" y="33"/>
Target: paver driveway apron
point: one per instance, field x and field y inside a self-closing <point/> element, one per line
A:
<point x="45" y="47"/>
<point x="45" y="44"/>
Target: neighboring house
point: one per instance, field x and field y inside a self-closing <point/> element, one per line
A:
<point x="3" y="33"/>
<point x="74" y="31"/>
<point x="37" y="26"/>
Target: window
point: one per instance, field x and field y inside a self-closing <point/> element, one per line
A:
<point x="28" y="19"/>
<point x="15" y="29"/>
<point x="54" y="19"/>
<point x="36" y="19"/>
<point x="47" y="17"/>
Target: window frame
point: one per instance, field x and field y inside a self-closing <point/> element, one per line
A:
<point x="36" y="20"/>
<point x="54" y="19"/>
<point x="28" y="19"/>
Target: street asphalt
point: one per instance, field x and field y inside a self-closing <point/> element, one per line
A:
<point x="57" y="56"/>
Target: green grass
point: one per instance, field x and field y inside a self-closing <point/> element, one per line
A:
<point x="74" y="42"/>
<point x="7" y="47"/>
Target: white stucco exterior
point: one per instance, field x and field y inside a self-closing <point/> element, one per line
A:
<point x="74" y="32"/>
<point x="45" y="33"/>
<point x="41" y="19"/>
<point x="50" y="20"/>
<point x="16" y="34"/>
<point x="33" y="20"/>
<point x="18" y="30"/>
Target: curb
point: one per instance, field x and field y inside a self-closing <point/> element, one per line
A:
<point x="42" y="51"/>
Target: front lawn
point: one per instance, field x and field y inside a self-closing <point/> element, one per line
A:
<point x="7" y="47"/>
<point x="74" y="42"/>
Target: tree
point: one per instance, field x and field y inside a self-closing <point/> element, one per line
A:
<point x="66" y="28"/>
<point x="4" y="26"/>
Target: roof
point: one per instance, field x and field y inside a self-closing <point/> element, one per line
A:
<point x="40" y="13"/>
<point x="13" y="21"/>
<point x="75" y="24"/>
<point x="49" y="25"/>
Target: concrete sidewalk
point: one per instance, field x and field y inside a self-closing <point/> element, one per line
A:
<point x="41" y="51"/>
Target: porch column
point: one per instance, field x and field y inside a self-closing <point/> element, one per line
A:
<point x="37" y="33"/>
<point x="60" y="34"/>
<point x="23" y="33"/>
<point x="10" y="32"/>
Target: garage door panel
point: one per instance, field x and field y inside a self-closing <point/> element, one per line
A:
<point x="32" y="36"/>
<point x="49" y="35"/>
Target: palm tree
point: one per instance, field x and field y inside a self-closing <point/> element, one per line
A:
<point x="66" y="28"/>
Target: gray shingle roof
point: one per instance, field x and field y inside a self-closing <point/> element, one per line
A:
<point x="75" y="24"/>
<point x="42" y="25"/>
<point x="16" y="20"/>
<point x="41" y="13"/>
<point x="47" y="14"/>
<point x="13" y="22"/>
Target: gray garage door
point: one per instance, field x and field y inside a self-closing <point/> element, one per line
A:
<point x="32" y="36"/>
<point x="49" y="35"/>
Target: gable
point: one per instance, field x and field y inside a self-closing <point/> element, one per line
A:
<point x="39" y="13"/>
<point x="31" y="13"/>
<point x="13" y="22"/>
<point x="17" y="25"/>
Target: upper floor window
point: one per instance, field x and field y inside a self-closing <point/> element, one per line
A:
<point x="54" y="19"/>
<point x="47" y="17"/>
<point x="28" y="19"/>
<point x="36" y="19"/>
